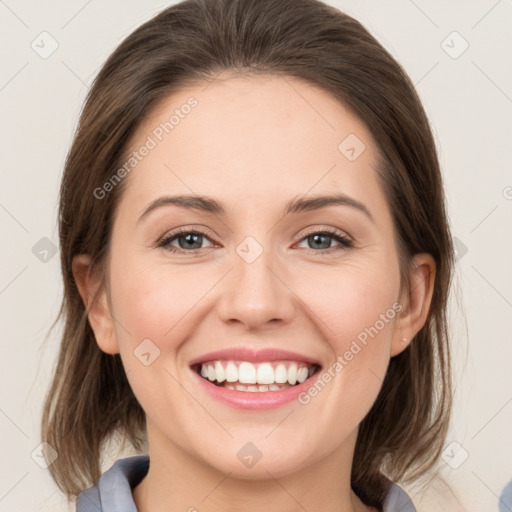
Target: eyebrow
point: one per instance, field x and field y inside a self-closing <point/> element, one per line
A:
<point x="210" y="205"/>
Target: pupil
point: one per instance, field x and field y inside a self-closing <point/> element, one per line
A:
<point x="189" y="240"/>
<point x="317" y="239"/>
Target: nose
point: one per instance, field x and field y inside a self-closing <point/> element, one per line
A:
<point x="255" y="293"/>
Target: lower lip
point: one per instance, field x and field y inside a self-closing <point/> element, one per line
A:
<point x="255" y="400"/>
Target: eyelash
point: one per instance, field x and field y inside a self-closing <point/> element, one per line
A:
<point x="345" y="242"/>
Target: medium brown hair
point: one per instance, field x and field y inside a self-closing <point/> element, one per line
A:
<point x="90" y="399"/>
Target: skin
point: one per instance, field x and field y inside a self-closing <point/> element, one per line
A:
<point x="253" y="144"/>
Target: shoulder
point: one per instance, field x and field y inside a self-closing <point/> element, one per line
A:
<point x="113" y="492"/>
<point x="398" y="500"/>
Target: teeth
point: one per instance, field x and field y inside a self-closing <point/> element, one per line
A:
<point x="302" y="374"/>
<point x="231" y="372"/>
<point x="281" y="376"/>
<point x="254" y="388"/>
<point x="267" y="376"/>
<point x="292" y="374"/>
<point x="220" y="374"/>
<point x="247" y="373"/>
<point x="241" y="387"/>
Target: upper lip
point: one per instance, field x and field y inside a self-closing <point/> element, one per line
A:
<point x="253" y="356"/>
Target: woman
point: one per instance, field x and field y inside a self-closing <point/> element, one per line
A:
<point x="256" y="260"/>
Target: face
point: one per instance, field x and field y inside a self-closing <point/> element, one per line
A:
<point x="267" y="287"/>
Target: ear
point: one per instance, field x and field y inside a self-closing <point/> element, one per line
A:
<point x="415" y="301"/>
<point x="90" y="284"/>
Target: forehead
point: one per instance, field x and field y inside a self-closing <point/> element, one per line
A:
<point x="256" y="137"/>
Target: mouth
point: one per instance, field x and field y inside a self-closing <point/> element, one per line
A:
<point x="251" y="377"/>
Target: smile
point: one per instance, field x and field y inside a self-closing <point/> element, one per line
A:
<point x="255" y="377"/>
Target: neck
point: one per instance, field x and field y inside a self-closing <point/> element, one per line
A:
<point x="177" y="480"/>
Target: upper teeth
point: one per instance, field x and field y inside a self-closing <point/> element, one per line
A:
<point x="260" y="373"/>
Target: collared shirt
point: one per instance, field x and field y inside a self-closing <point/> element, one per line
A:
<point x="113" y="492"/>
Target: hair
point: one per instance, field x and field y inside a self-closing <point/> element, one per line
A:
<point x="89" y="399"/>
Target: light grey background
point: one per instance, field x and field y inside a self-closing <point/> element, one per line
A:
<point x="469" y="102"/>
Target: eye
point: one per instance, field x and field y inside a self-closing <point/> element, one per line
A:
<point x="322" y="240"/>
<point x="188" y="241"/>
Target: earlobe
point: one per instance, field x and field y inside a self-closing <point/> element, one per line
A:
<point x="416" y="304"/>
<point x="89" y="282"/>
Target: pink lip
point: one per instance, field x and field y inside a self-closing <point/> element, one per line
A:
<point x="254" y="400"/>
<point x="253" y="356"/>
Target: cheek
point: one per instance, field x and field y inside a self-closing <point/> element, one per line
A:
<point x="348" y="300"/>
<point x="153" y="309"/>
<point x="356" y="309"/>
<point x="151" y="302"/>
